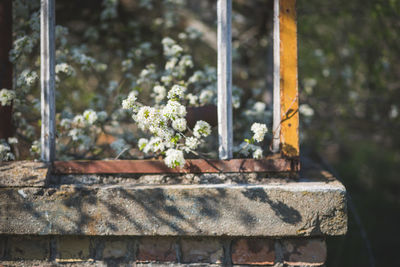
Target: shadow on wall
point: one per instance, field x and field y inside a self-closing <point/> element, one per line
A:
<point x="141" y="210"/>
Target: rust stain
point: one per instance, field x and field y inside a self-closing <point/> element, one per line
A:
<point x="289" y="79"/>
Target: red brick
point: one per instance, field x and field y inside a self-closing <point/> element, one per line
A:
<point x="73" y="248"/>
<point x="157" y="249"/>
<point x="115" y="249"/>
<point x="202" y="250"/>
<point x="253" y="252"/>
<point x="310" y="252"/>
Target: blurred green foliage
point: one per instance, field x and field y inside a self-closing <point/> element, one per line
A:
<point x="352" y="49"/>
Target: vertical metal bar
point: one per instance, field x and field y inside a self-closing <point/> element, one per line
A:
<point x="225" y="134"/>
<point x="6" y="68"/>
<point x="47" y="68"/>
<point x="277" y="77"/>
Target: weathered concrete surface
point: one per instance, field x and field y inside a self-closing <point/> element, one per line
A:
<point x="33" y="202"/>
<point x="23" y="174"/>
<point x="276" y="210"/>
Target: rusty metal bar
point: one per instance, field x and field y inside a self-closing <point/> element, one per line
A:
<point x="270" y="164"/>
<point x="6" y="127"/>
<point x="288" y="79"/>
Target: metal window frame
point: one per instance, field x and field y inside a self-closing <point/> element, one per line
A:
<point x="285" y="119"/>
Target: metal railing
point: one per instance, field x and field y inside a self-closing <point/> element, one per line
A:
<point x="285" y="106"/>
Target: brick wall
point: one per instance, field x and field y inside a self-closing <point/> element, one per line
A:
<point x="100" y="220"/>
<point x="112" y="251"/>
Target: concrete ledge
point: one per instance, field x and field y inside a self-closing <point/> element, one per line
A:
<point x="313" y="206"/>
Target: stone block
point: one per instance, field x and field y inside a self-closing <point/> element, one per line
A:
<point x="28" y="248"/>
<point x="288" y="208"/>
<point x="156" y="249"/>
<point x="310" y="252"/>
<point x="73" y="248"/>
<point x="257" y="251"/>
<point x="205" y="250"/>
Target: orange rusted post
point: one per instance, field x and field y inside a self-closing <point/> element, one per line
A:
<point x="288" y="79"/>
<point x="6" y="129"/>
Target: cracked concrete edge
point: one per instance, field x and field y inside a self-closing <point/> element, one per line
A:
<point x="239" y="210"/>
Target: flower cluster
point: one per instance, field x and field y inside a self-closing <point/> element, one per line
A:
<point x="248" y="147"/>
<point x="259" y="131"/>
<point x="6" y="97"/>
<point x="168" y="127"/>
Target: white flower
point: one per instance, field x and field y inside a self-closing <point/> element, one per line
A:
<point x="75" y="134"/>
<point x="65" y="123"/>
<point x="186" y="62"/>
<point x="177" y="91"/>
<point x="155" y="144"/>
<point x="179" y="124"/>
<point x="4" y="148"/>
<point x="175" y="50"/>
<point x="192" y="142"/>
<point x="246" y="148"/>
<point x="201" y="128"/>
<point x="145" y="115"/>
<point x="35" y="148"/>
<point x="163" y="132"/>
<point x="65" y="68"/>
<point x="159" y="93"/>
<point x="6" y="97"/>
<point x="171" y="63"/>
<point x="5" y="153"/>
<point x="130" y="102"/>
<point x="174" y="109"/>
<point x="306" y="110"/>
<point x="192" y="99"/>
<point x="236" y="101"/>
<point x="257" y="154"/>
<point x="142" y="143"/>
<point x="27" y="78"/>
<point x="394" y="112"/>
<point x="171" y="48"/>
<point x="90" y="116"/>
<point x="12" y="140"/>
<point x="182" y="36"/>
<point x="79" y="121"/>
<point x="174" y="158"/>
<point x="198" y="76"/>
<point x="167" y="41"/>
<point x="259" y="107"/>
<point x="167" y="79"/>
<point x="259" y="131"/>
<point x="206" y="96"/>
